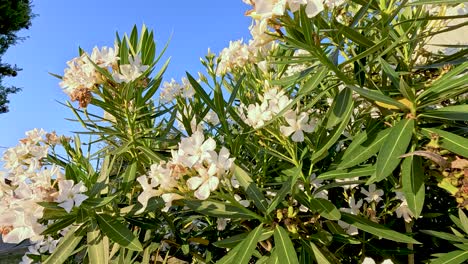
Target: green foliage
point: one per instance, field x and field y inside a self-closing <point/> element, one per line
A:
<point x="374" y="163"/>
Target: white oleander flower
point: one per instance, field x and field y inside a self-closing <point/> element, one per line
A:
<point x="266" y="9"/>
<point x="258" y="115"/>
<point x="79" y="74"/>
<point x="70" y="194"/>
<point x="373" y="194"/>
<point x="237" y="55"/>
<point x="313" y="7"/>
<point x="148" y="191"/>
<point x="368" y="260"/>
<point x="403" y="210"/>
<point x="130" y="72"/>
<point x="168" y="199"/>
<point x="106" y="57"/>
<point x="277" y="100"/>
<point x="297" y="125"/>
<point x="187" y="90"/>
<point x="333" y="3"/>
<point x="161" y="175"/>
<point x="205" y="183"/>
<point x="169" y="91"/>
<point x="212" y="118"/>
<point x="195" y="149"/>
<point x="221" y="223"/>
<point x="354" y="210"/>
<point x="221" y="161"/>
<point x="245" y="203"/>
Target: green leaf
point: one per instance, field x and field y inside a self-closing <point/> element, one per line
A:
<point x="98" y="202"/>
<point x="345" y="174"/>
<point x="118" y="232"/>
<point x="66" y="246"/>
<point x="230" y="256"/>
<point x="393" y="147"/>
<point x="284" y="246"/>
<point x="293" y="174"/>
<point x="325" y="208"/>
<point x="378" y="97"/>
<point x="355" y="36"/>
<point x="221" y="209"/>
<point x="98" y="251"/>
<point x="427" y="2"/>
<point x="445" y="236"/>
<point x="59" y="225"/>
<point x="450" y="141"/>
<point x="463" y="220"/>
<point x="376" y="229"/>
<point x="454" y="257"/>
<point x="319" y="257"/>
<point x="150" y="154"/>
<point x="231" y="242"/>
<point x="334" y="135"/>
<point x="358" y="153"/>
<point x="251" y="189"/>
<point x="248" y="246"/>
<point x="128" y="177"/>
<point x="201" y="92"/>
<point x="285" y="190"/>
<point x="339" y="107"/>
<point x="273" y="259"/>
<point x="455" y="112"/>
<point x="413" y="184"/>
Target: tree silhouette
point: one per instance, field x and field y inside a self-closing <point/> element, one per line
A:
<point x="14" y="16"/>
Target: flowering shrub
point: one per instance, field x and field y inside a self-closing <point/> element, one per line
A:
<point x="337" y="134"/>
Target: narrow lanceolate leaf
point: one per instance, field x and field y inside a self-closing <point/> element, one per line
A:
<point x="362" y="152"/>
<point x="219" y="209"/>
<point x="445" y="236"/>
<point x="393" y="147"/>
<point x="340" y="104"/>
<point x="454" y="257"/>
<point x="129" y="176"/>
<point x="376" y="229"/>
<point x="325" y="208"/>
<point x="98" y="252"/>
<point x="463" y="220"/>
<point x="273" y="259"/>
<point x="66" y="246"/>
<point x="118" y="232"/>
<point x="345" y="174"/>
<point x="456" y="112"/>
<point x="230" y="257"/>
<point x="447" y="140"/>
<point x="319" y="257"/>
<point x="233" y="241"/>
<point x="279" y="198"/>
<point x="413" y="183"/>
<point x="378" y="97"/>
<point x="284" y="247"/>
<point x="334" y="135"/>
<point x="248" y="246"/>
<point x="251" y="189"/>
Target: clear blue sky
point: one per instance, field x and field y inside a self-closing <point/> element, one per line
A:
<point x="61" y="26"/>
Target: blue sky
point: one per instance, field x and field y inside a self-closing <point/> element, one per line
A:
<point x="62" y="26"/>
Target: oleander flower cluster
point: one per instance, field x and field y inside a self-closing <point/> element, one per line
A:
<point x="28" y="180"/>
<point x="195" y="169"/>
<point x="85" y="73"/>
<point x="271" y="103"/>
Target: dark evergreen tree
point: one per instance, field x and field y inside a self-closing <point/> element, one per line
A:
<point x="14" y="16"/>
